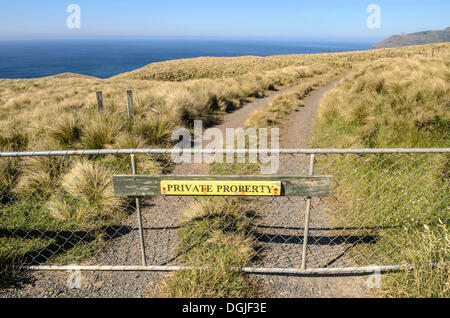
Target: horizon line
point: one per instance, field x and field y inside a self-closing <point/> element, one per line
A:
<point x="206" y="38"/>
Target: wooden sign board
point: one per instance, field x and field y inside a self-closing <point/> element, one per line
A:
<point x="150" y="186"/>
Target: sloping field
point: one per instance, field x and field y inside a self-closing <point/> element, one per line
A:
<point x="389" y="103"/>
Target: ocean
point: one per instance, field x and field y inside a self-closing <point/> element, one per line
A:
<point x="105" y="58"/>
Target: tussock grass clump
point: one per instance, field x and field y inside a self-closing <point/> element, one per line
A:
<point x="66" y="130"/>
<point x="86" y="197"/>
<point x="12" y="138"/>
<point x="90" y="183"/>
<point x="127" y="140"/>
<point x="216" y="239"/>
<point x="9" y="270"/>
<point x="223" y="252"/>
<point x="8" y="177"/>
<point x="196" y="101"/>
<point x="155" y="131"/>
<point x="209" y="216"/>
<point x="40" y="175"/>
<point x="121" y="164"/>
<point x="101" y="132"/>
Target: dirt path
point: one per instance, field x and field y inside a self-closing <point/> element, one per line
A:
<point x="297" y="133"/>
<point x="235" y="119"/>
<point x="283" y="225"/>
<point x="279" y="233"/>
<point x="238" y="118"/>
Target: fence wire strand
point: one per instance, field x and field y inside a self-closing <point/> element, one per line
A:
<point x="60" y="208"/>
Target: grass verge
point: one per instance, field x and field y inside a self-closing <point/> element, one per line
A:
<point x="399" y="102"/>
<point x="217" y="234"/>
<point x="279" y="109"/>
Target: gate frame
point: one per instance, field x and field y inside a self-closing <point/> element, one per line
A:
<point x="255" y="270"/>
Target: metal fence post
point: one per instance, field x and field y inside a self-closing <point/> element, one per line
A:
<point x="139" y="214"/>
<point x="307" y="214"/>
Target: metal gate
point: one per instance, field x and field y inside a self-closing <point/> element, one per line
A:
<point x="58" y="208"/>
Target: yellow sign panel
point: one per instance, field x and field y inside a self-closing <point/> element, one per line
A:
<point x="220" y="188"/>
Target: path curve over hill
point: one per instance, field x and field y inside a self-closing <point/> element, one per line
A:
<point x="296" y="134"/>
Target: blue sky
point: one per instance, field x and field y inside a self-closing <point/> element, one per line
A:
<point x="291" y="19"/>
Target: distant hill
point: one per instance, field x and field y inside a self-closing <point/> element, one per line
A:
<point x="425" y="37"/>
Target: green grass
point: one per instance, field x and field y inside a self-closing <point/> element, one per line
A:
<point x="432" y="246"/>
<point x="29" y="229"/>
<point x="204" y="283"/>
<point x="216" y="235"/>
<point x="29" y="235"/>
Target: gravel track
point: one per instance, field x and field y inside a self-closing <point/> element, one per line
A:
<point x="286" y="220"/>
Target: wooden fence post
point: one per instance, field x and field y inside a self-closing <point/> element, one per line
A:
<point x="99" y="102"/>
<point x="130" y="104"/>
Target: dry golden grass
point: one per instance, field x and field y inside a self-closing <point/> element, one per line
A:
<point x="219" y="67"/>
<point x="86" y="197"/>
<point x="63" y="107"/>
<point x="278" y="110"/>
<point x="215" y="234"/>
<point x="391" y="102"/>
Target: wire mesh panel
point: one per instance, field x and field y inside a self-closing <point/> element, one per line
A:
<point x="60" y="208"/>
<point x="379" y="202"/>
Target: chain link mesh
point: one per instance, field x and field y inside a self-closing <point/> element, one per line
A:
<point x="59" y="210"/>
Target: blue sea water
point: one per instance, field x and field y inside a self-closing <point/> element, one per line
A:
<point x="105" y="58"/>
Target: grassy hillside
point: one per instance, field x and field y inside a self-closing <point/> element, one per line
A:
<point x="36" y="107"/>
<point x="31" y="109"/>
<point x="56" y="195"/>
<point x="222" y="67"/>
<point x="398" y="102"/>
<point x="395" y="102"/>
<point x="418" y="38"/>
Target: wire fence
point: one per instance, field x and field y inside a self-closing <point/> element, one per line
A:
<point x="59" y="208"/>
